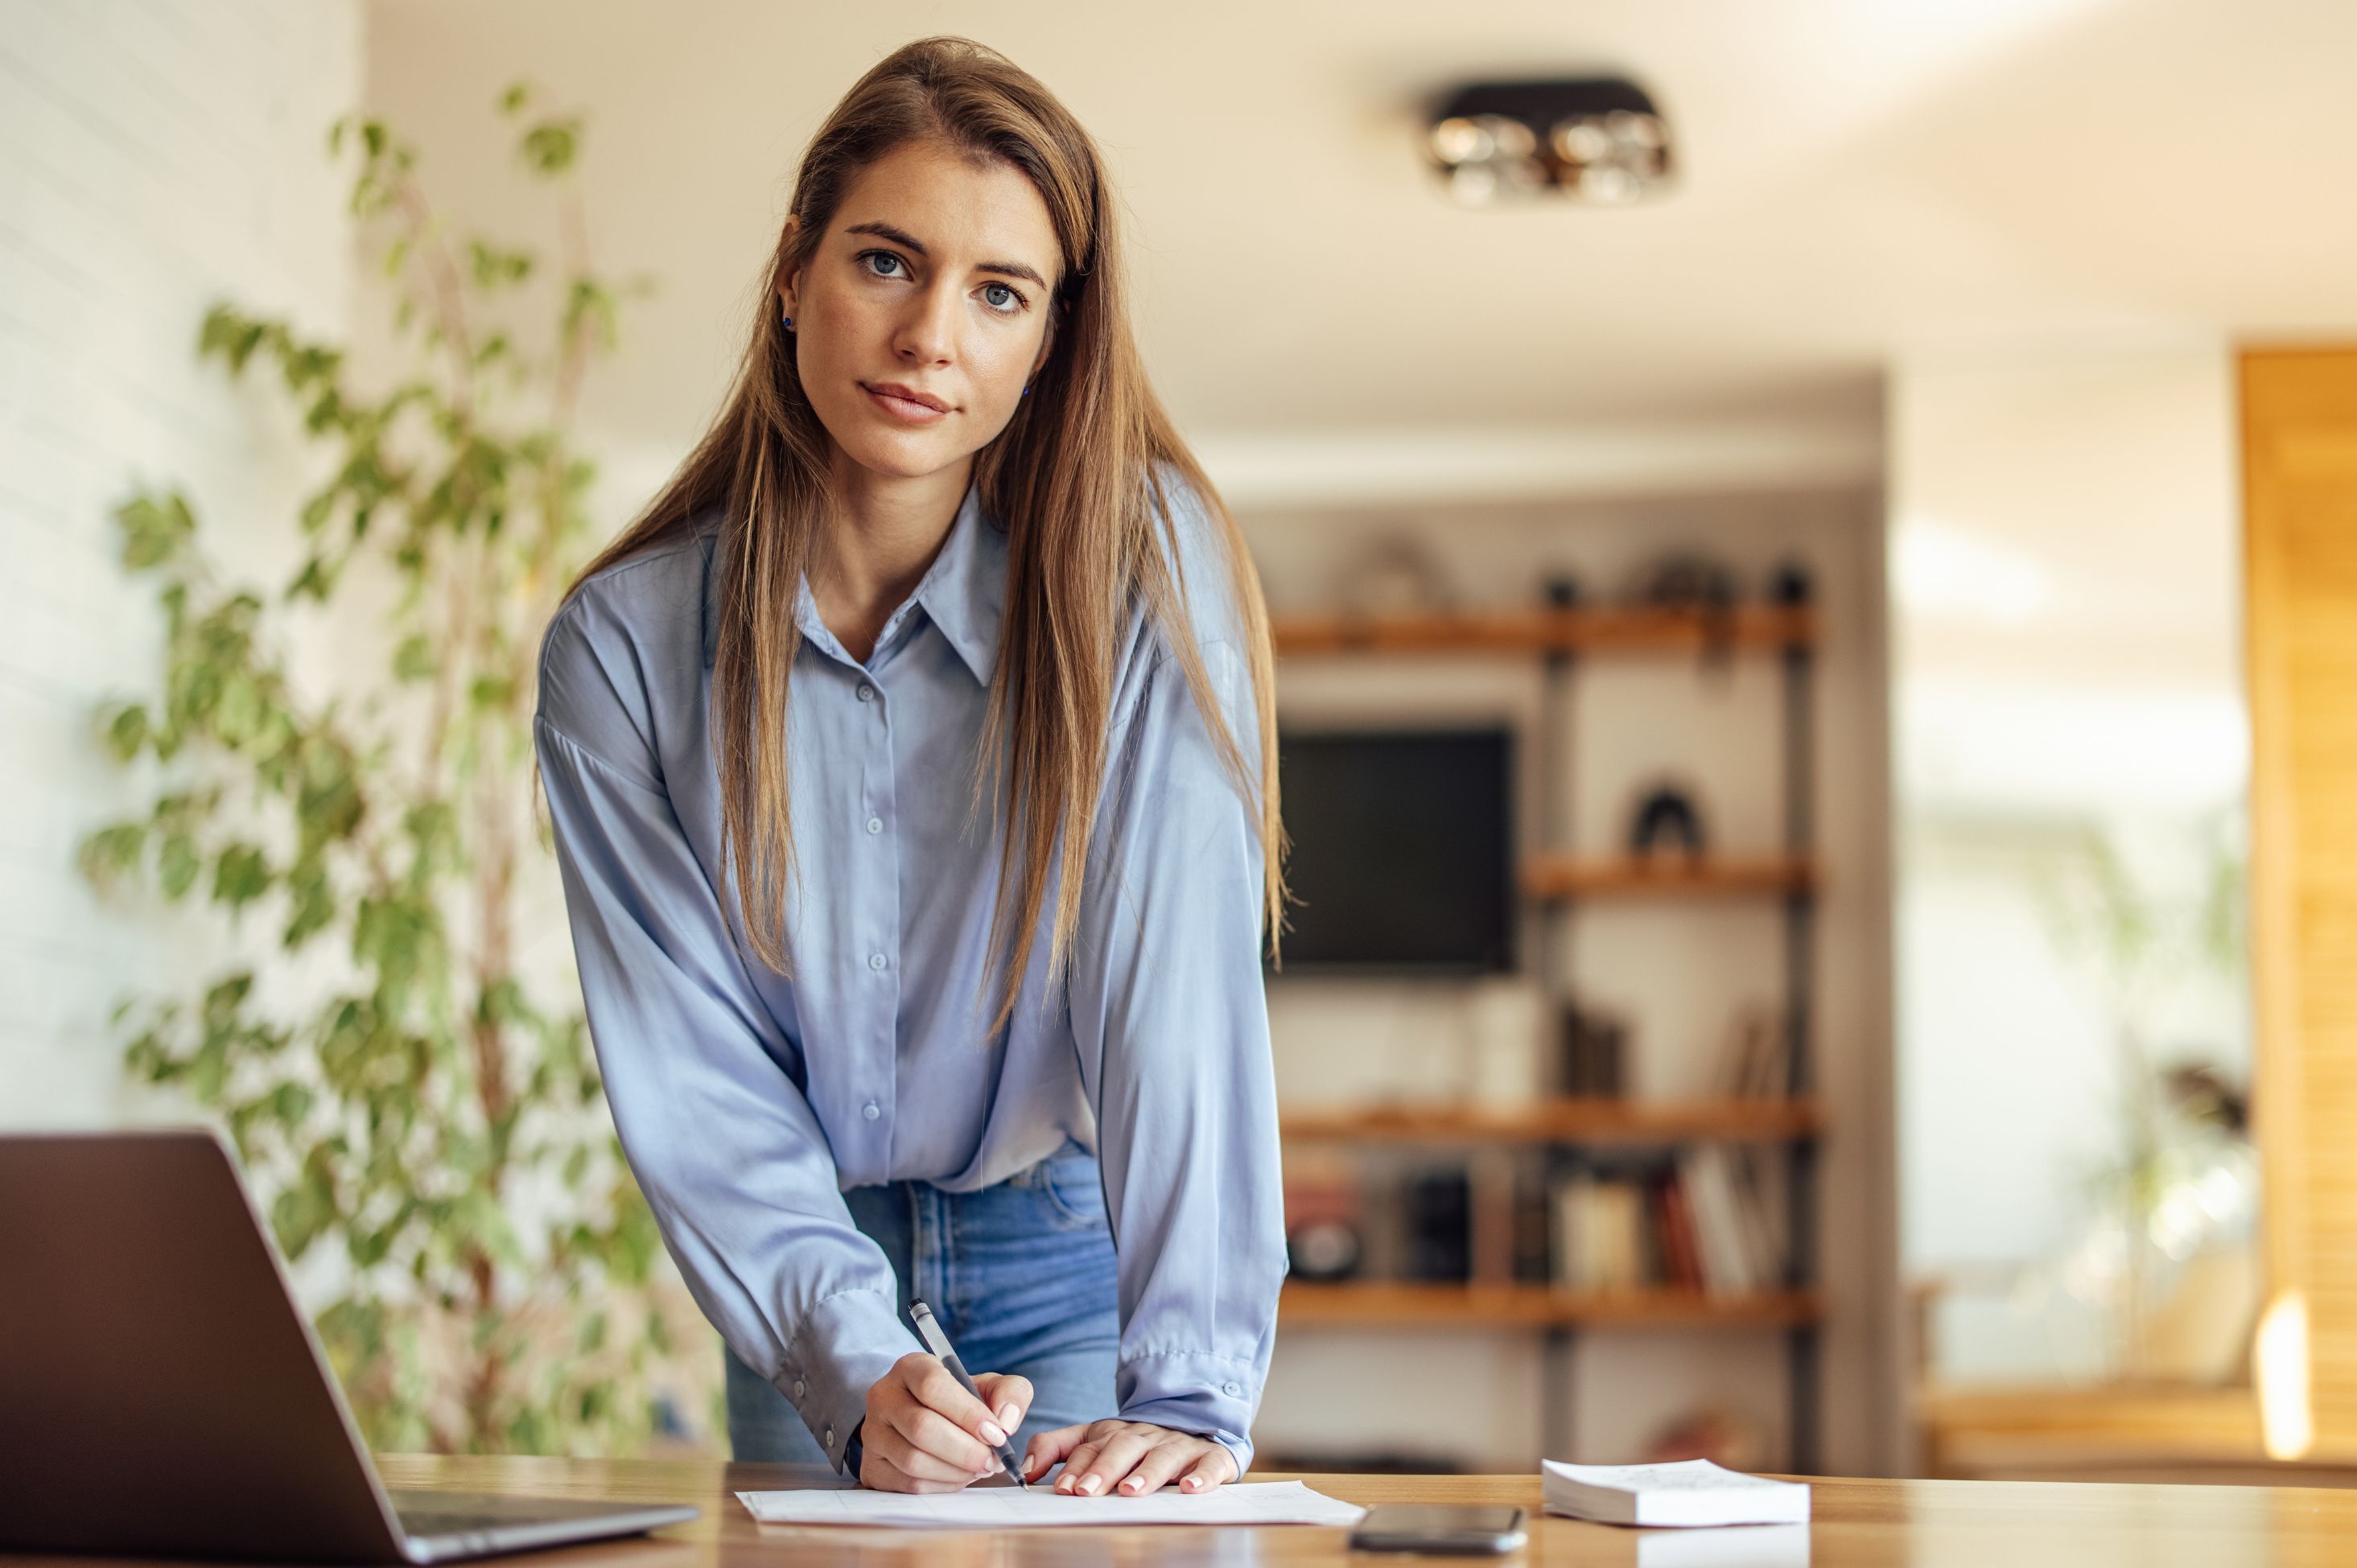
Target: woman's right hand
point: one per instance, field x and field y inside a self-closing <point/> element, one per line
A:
<point x="925" y="1433"/>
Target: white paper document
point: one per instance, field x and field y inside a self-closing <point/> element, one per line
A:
<point x="1014" y="1508"/>
<point x="1693" y="1492"/>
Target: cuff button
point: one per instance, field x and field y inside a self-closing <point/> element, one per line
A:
<point x="1234" y="1391"/>
<point x="800" y="1388"/>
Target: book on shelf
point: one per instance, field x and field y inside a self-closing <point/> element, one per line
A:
<point x="1702" y="1223"/>
<point x="1757" y="1062"/>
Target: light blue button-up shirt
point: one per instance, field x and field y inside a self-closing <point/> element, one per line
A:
<point x="747" y="1101"/>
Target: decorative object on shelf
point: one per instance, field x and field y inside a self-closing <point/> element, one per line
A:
<point x="1721" y="1436"/>
<point x="1593" y="1053"/>
<point x="1694" y="585"/>
<point x="1397" y="574"/>
<point x="1502" y="1018"/>
<point x="1789" y="585"/>
<point x="1437" y="1208"/>
<point x="1666" y="821"/>
<point x="1596" y="139"/>
<point x="1323" y="1250"/>
<point x="1325" y="1231"/>
<point x="1685" y="580"/>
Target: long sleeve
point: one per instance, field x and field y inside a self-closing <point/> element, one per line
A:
<point x="706" y="1088"/>
<point x="1170" y="1017"/>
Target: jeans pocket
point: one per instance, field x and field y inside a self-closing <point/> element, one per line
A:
<point x="1073" y="1189"/>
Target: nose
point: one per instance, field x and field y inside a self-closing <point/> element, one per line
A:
<point x="927" y="333"/>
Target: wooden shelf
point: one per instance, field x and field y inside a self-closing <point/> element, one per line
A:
<point x="1562" y="1121"/>
<point x="1420" y="1305"/>
<point x="1752" y="628"/>
<point x="1561" y="877"/>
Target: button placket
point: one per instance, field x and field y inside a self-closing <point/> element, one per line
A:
<point x="881" y="1063"/>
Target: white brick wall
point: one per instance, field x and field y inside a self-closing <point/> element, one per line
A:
<point x="154" y="157"/>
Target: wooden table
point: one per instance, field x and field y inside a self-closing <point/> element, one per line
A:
<point x="1953" y="1524"/>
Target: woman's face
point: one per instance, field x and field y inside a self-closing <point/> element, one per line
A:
<point x="925" y="309"/>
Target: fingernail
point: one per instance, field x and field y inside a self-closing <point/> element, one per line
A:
<point x="992" y="1434"/>
<point x="1089" y="1485"/>
<point x="1193" y="1483"/>
<point x="1010" y="1417"/>
<point x="1132" y="1483"/>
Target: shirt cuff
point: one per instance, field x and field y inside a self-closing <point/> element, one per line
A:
<point x="1210" y="1396"/>
<point x="843" y="1345"/>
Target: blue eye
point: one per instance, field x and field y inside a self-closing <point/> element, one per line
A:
<point x="1001" y="297"/>
<point x="881" y="262"/>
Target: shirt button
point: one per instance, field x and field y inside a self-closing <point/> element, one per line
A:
<point x="800" y="1388"/>
<point x="829" y="1438"/>
<point x="876" y="962"/>
<point x="871" y="1110"/>
<point x="875" y="825"/>
<point x="866" y="694"/>
<point x="1234" y="1391"/>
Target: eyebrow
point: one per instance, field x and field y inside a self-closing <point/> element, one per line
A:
<point x="902" y="238"/>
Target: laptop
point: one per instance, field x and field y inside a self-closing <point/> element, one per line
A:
<point x="160" y="1394"/>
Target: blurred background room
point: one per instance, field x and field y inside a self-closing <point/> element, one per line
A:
<point x="1812" y="546"/>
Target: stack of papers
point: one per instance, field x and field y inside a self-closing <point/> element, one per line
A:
<point x="1696" y="1492"/>
<point x="1020" y="1507"/>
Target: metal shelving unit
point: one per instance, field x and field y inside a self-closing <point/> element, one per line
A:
<point x="1554" y="885"/>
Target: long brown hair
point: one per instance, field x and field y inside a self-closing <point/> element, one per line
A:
<point x="1080" y="478"/>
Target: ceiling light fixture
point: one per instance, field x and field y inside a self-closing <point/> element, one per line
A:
<point x="1595" y="139"/>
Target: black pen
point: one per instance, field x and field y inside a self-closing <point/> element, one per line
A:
<point x="939" y="1344"/>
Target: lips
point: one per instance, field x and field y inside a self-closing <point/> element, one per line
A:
<point x="905" y="403"/>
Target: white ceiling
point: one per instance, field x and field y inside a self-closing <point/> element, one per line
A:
<point x="1864" y="180"/>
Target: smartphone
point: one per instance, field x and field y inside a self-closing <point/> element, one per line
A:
<point x="1441" y="1529"/>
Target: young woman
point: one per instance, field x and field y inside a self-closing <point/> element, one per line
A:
<point x="907" y="761"/>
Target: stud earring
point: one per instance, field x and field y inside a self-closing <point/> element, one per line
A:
<point x="1026" y="391"/>
<point x="790" y="324"/>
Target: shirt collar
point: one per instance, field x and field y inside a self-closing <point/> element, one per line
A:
<point x="964" y="591"/>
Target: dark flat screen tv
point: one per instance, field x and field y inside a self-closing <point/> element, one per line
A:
<point x="1402" y="850"/>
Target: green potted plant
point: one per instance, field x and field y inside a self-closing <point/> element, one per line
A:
<point x="418" y="1109"/>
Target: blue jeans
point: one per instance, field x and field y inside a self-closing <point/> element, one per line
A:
<point x="1021" y="1276"/>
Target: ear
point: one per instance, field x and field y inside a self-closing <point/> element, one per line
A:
<point x="786" y="283"/>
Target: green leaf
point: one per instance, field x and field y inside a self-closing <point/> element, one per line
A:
<point x="304" y="1211"/>
<point x="413" y="658"/>
<point x="126" y="732"/>
<point x="177" y="865"/>
<point x="113" y="852"/>
<point x="551" y="146"/>
<point x="154" y="529"/>
<point x="241" y="874"/>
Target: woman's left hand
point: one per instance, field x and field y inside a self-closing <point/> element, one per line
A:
<point x="1127" y="1460"/>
